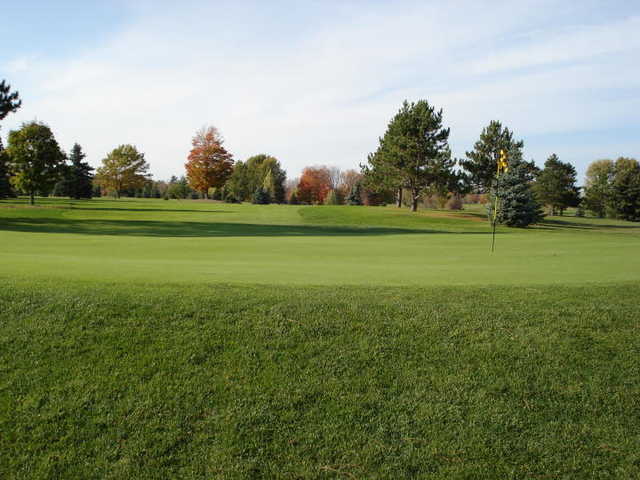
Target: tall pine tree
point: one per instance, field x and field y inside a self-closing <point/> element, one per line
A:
<point x="555" y="186"/>
<point x="9" y="101"/>
<point x="413" y="153"/>
<point x="481" y="161"/>
<point x="77" y="180"/>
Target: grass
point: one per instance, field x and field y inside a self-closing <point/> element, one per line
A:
<point x="156" y="241"/>
<point x="164" y="339"/>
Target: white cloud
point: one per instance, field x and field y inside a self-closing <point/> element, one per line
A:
<point x="324" y="95"/>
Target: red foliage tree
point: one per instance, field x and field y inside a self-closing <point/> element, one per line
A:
<point x="209" y="164"/>
<point x="314" y="185"/>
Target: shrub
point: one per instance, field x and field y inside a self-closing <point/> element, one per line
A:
<point x="261" y="197"/>
<point x="355" y="196"/>
<point x="229" y="197"/>
<point x="455" y="203"/>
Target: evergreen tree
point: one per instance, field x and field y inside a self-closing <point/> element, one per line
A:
<point x="9" y="101"/>
<point x="481" y="161"/>
<point x="355" y="196"/>
<point x="517" y="204"/>
<point x="261" y="197"/>
<point x="555" y="186"/>
<point x="413" y="153"/>
<point x="77" y="177"/>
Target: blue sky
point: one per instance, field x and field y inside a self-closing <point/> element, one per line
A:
<point x="316" y="82"/>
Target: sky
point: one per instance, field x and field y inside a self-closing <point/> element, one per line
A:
<point x="316" y="82"/>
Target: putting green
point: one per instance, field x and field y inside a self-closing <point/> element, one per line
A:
<point x="194" y="241"/>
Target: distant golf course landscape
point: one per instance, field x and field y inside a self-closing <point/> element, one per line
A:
<point x="147" y="338"/>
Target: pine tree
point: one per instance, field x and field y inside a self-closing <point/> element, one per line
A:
<point x="355" y="196"/>
<point x="9" y="101"/>
<point x="517" y="204"/>
<point x="261" y="197"/>
<point x="481" y="161"/>
<point x="77" y="181"/>
<point x="555" y="186"/>
<point x="411" y="152"/>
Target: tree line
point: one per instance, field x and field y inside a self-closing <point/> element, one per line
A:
<point x="412" y="165"/>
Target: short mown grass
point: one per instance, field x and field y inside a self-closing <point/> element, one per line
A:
<point x="190" y="241"/>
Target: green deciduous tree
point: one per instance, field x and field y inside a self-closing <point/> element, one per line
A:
<point x="259" y="171"/>
<point x="179" y="188"/>
<point x="35" y="158"/>
<point x="6" y="190"/>
<point x="481" y="161"/>
<point x="625" y="189"/>
<point x="597" y="190"/>
<point x="125" y="168"/>
<point x="555" y="185"/>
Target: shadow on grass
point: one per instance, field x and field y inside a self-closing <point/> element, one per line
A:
<point x="62" y="206"/>
<point x="563" y="224"/>
<point x="148" y="228"/>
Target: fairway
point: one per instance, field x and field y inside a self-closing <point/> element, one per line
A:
<point x="190" y="241"/>
<point x="196" y="339"/>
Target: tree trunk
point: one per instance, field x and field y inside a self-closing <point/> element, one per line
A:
<point x="414" y="203"/>
<point x="32" y="200"/>
<point x="399" y="198"/>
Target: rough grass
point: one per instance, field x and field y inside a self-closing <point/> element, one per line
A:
<point x="218" y="381"/>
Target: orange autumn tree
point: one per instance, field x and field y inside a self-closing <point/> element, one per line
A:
<point x="314" y="185"/>
<point x="209" y="164"/>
